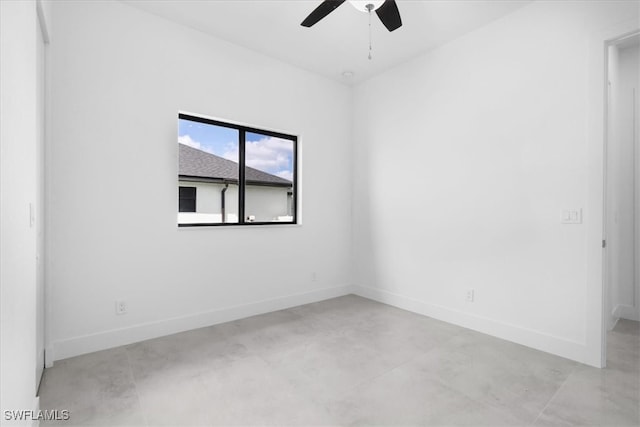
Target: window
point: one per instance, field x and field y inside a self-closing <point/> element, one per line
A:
<point x="187" y="199"/>
<point x="241" y="175"/>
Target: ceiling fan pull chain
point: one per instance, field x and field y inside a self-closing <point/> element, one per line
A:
<point x="369" y="8"/>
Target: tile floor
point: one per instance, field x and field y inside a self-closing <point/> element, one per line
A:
<point x="345" y="361"/>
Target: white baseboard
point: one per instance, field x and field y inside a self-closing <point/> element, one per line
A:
<point x="548" y="343"/>
<point x="613" y="322"/>
<point x="117" y="337"/>
<point x="624" y="311"/>
<point x="48" y="356"/>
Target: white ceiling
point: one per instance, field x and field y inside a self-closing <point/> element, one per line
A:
<point x="339" y="42"/>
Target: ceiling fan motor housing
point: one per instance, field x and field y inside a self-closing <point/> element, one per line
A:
<point x="366" y="5"/>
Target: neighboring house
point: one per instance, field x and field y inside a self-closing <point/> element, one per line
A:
<point x="208" y="190"/>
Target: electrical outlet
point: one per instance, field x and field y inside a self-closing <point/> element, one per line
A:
<point x="121" y="307"/>
<point x="314" y="277"/>
<point x="469" y="296"/>
<point x="572" y="216"/>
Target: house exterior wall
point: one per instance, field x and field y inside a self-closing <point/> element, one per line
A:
<point x="209" y="203"/>
<point x="266" y="203"/>
<point x="262" y="202"/>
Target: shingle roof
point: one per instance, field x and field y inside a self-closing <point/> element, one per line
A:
<point x="200" y="164"/>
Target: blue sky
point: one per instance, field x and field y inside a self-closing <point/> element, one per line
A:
<point x="216" y="140"/>
<point x="268" y="154"/>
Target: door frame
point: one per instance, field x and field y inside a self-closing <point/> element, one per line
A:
<point x="40" y="220"/>
<point x="607" y="209"/>
<point x="595" y="326"/>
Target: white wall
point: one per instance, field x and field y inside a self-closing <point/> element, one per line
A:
<point x="466" y="158"/>
<point x="463" y="160"/>
<point x="624" y="78"/>
<point x="40" y="200"/>
<point x="18" y="168"/>
<point x="636" y="180"/>
<point x="119" y="78"/>
<point x="611" y="254"/>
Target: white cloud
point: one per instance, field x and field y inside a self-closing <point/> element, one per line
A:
<point x="269" y="154"/>
<point x="286" y="174"/>
<point x="186" y="140"/>
<point x="231" y="153"/>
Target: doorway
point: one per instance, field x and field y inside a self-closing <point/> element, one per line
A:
<point x="622" y="174"/>
<point x="38" y="206"/>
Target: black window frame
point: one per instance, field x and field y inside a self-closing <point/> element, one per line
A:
<point x="242" y="130"/>
<point x="181" y="198"/>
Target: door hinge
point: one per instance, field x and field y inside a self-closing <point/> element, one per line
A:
<point x="604" y="244"/>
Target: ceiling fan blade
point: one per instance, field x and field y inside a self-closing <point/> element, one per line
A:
<point x="390" y="15"/>
<point x="325" y="8"/>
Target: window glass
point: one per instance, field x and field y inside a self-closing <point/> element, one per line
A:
<point x="268" y="178"/>
<point x="234" y="174"/>
<point x="208" y="163"/>
<point x="187" y="199"/>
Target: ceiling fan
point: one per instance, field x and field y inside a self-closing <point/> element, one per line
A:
<point x="386" y="10"/>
